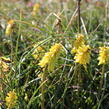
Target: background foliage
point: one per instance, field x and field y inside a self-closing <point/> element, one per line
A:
<point x="69" y="86"/>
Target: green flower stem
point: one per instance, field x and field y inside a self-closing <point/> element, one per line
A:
<point x="78" y="77"/>
<point x="102" y="92"/>
<point x="77" y="72"/>
<point x="102" y="78"/>
<point x="43" y="90"/>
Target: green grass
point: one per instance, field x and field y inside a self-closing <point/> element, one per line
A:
<point x="64" y="88"/>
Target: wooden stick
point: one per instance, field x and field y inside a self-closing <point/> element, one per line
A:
<point x="79" y="16"/>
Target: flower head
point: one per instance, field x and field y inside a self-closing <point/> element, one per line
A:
<point x="38" y="52"/>
<point x="9" y="27"/>
<point x="78" y="42"/>
<point x="83" y="55"/>
<point x="36" y="8"/>
<point x="103" y="55"/>
<point x="11" y="99"/>
<point x="51" y="57"/>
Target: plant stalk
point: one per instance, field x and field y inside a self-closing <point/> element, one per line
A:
<point x="43" y="90"/>
<point x="102" y="79"/>
<point x="79" y="16"/>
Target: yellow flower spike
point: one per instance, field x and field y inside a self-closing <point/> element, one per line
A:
<point x="78" y="42"/>
<point x="36" y="8"/>
<point x="50" y="58"/>
<point x="11" y="22"/>
<point x="103" y="55"/>
<point x="82" y="55"/>
<point x="9" y="27"/>
<point x="38" y="52"/>
<point x="11" y="99"/>
<point x="48" y="63"/>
